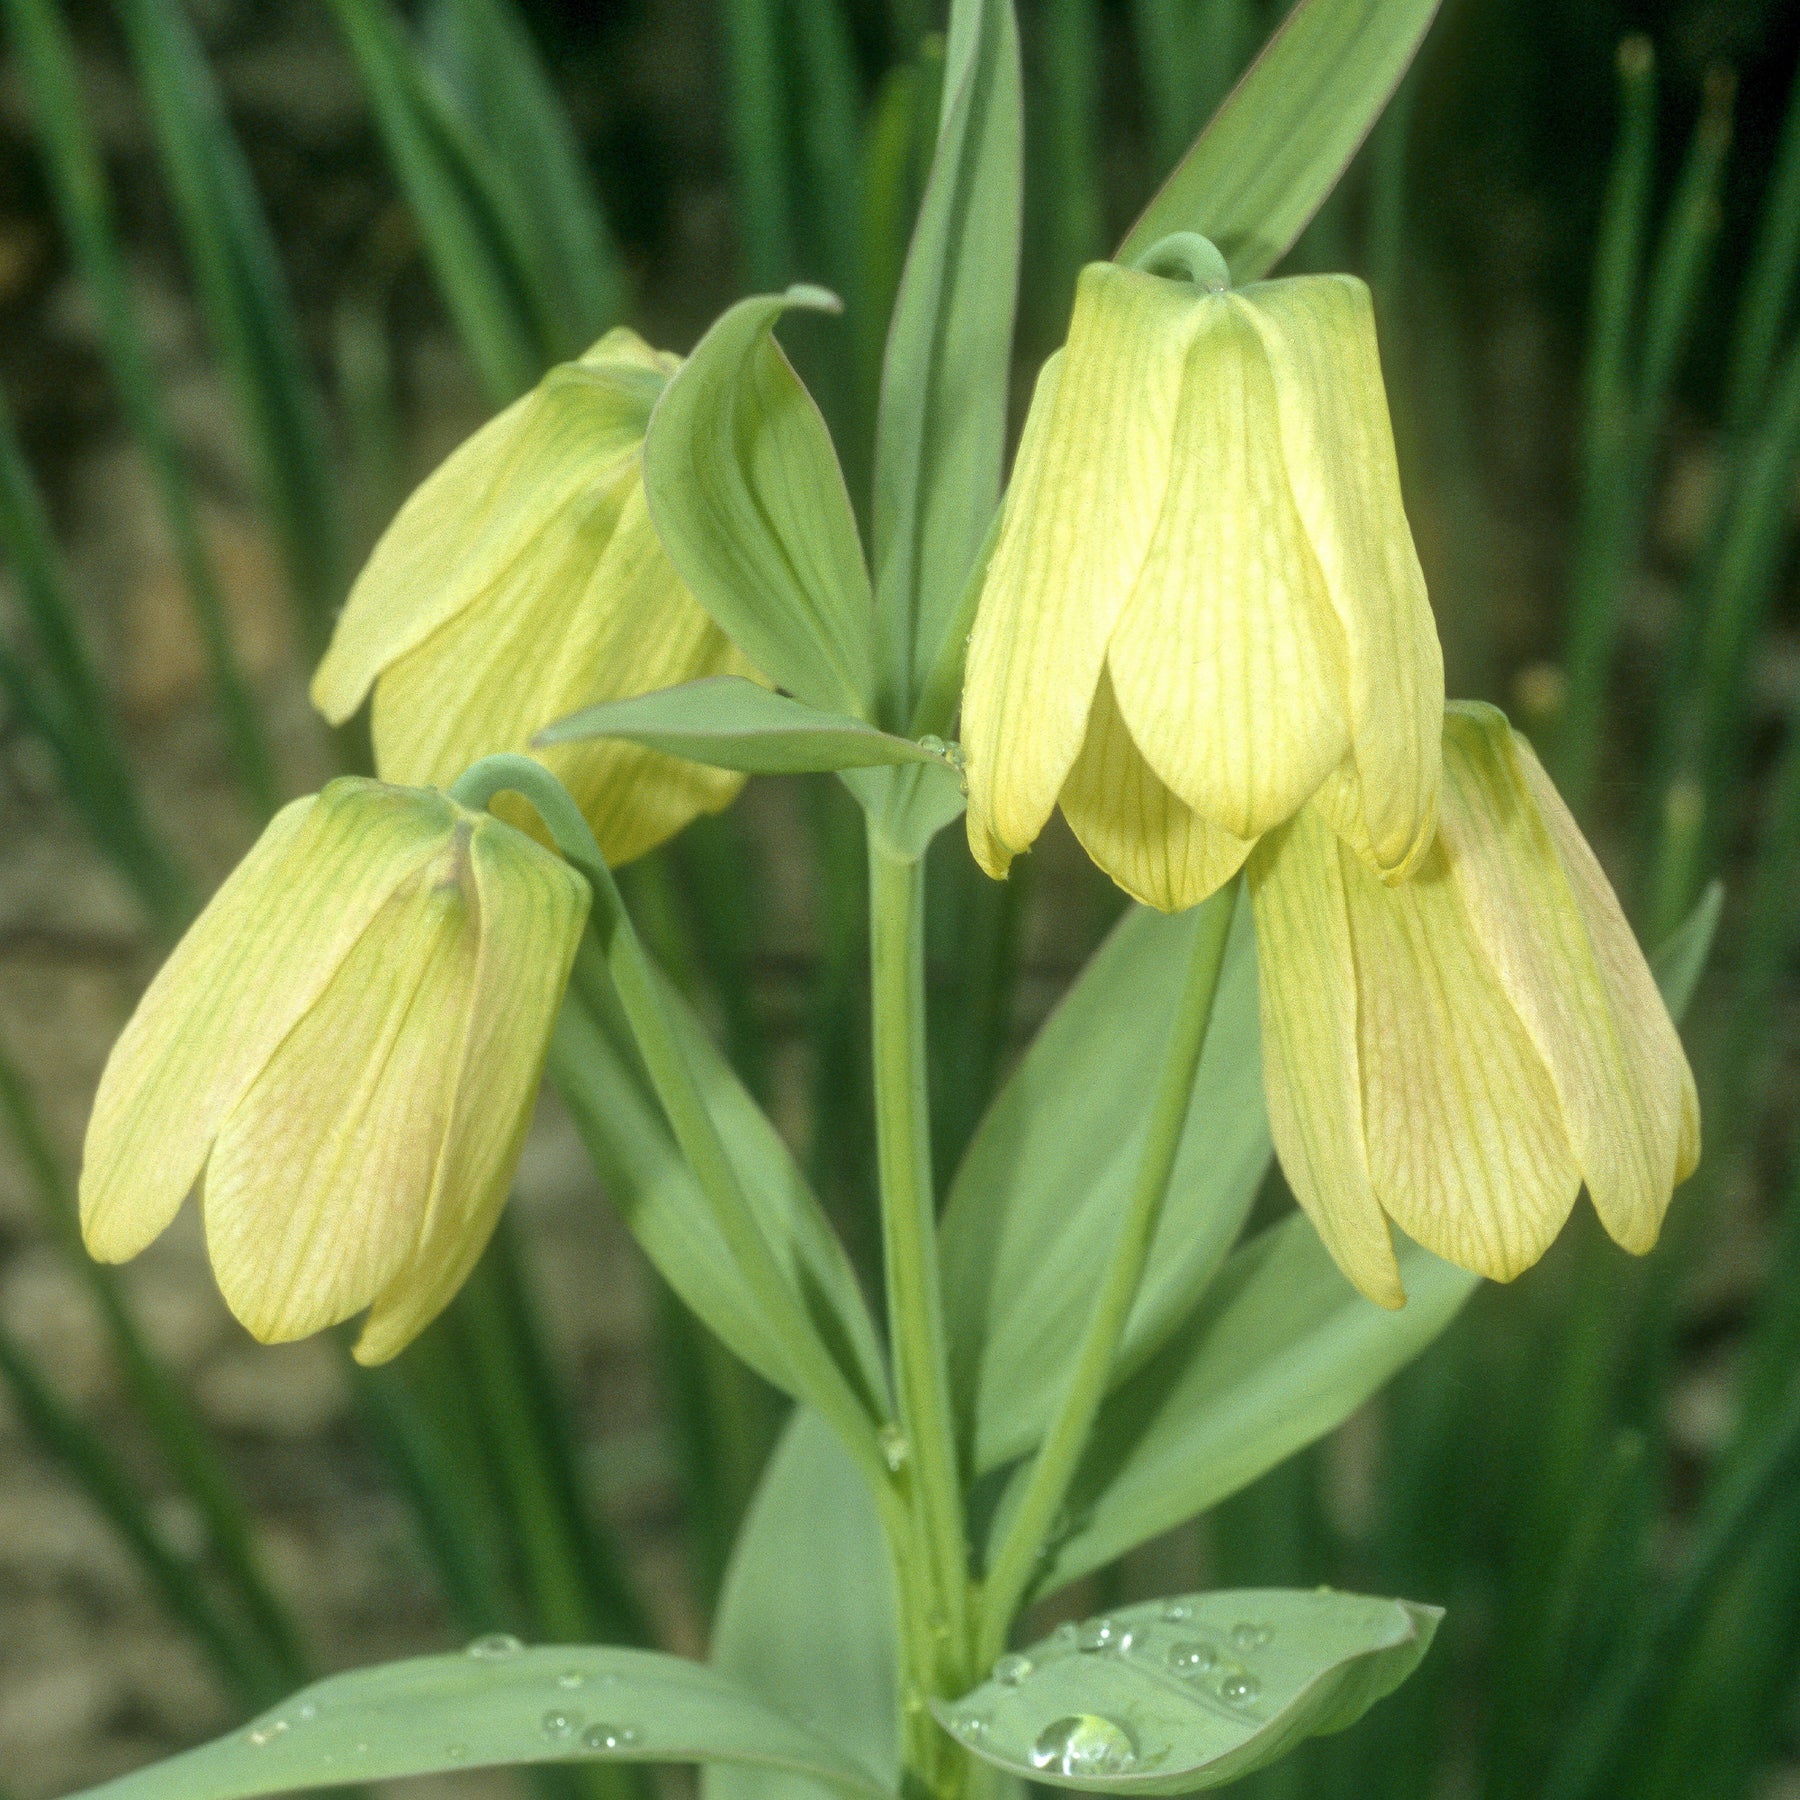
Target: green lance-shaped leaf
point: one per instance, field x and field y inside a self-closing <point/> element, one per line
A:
<point x="602" y="1081"/>
<point x="1275" y="149"/>
<point x="1192" y="1692"/>
<point x="1681" y="961"/>
<point x="1281" y="1351"/>
<point x="746" y="492"/>
<point x="941" y="430"/>
<point x="1036" y="1202"/>
<point x="821" y="1651"/>
<point x="493" y="1706"/>
<point x="730" y="723"/>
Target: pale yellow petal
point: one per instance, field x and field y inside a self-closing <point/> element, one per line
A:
<point x="1549" y="922"/>
<point x="1158" y="850"/>
<point x="605" y="618"/>
<point x="532" y="907"/>
<point x="318" y="1185"/>
<point x="252" y="963"/>
<point x="1467" y="1145"/>
<point x="500" y="505"/>
<point x="1306" y="971"/>
<point x="1078" y="521"/>
<point x="1339" y="447"/>
<point x="1228" y="661"/>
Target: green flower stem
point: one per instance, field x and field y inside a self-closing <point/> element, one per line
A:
<point x="1009" y="1578"/>
<point x="824" y="1382"/>
<point x="909" y="1240"/>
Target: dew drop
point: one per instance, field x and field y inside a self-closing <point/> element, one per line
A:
<point x="266" y="1733"/>
<point x="557" y="1724"/>
<point x="608" y="1737"/>
<point x="972" y="1726"/>
<point x="1009" y="1671"/>
<point x="894" y="1448"/>
<point x="1248" y="1636"/>
<point x="457" y="1752"/>
<point x="1102" y="1634"/>
<point x="1191" y="1659"/>
<point x="305" y="1713"/>
<point x="1084" y="1744"/>
<point x="1065" y="1633"/>
<point x="571" y="1679"/>
<point x="496" y="1643"/>
<point x="932" y="744"/>
<point x="1176" y="1611"/>
<point x="1240" y="1687"/>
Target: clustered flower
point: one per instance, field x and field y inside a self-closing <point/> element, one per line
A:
<point x="1203" y="634"/>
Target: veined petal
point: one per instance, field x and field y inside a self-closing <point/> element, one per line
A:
<point x="318" y="1185"/>
<point x="531" y="907"/>
<point x="1548" y="920"/>
<point x="604" y="617"/>
<point x="1468" y="1148"/>
<point x="1228" y="661"/>
<point x="1320" y="335"/>
<point x="506" y="497"/>
<point x="1078" y="521"/>
<point x="1306" y="971"/>
<point x="255" y="960"/>
<point x="1157" y="849"/>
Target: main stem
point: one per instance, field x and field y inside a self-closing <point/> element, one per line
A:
<point x="927" y="1459"/>
<point x="1015" y="1562"/>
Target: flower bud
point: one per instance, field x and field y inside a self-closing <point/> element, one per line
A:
<point x="344" y="1051"/>
<point x="1204" y="603"/>
<point x="1460" y="1052"/>
<point x="522" y="581"/>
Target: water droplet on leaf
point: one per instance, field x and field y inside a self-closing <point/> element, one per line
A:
<point x="555" y="1724"/>
<point x="894" y="1448"/>
<point x="1246" y="1636"/>
<point x="1065" y="1633"/>
<point x="570" y="1679"/>
<point x="1009" y="1671"/>
<point x="1192" y="1659"/>
<point x="1240" y="1687"/>
<point x="496" y="1643"/>
<point x="1084" y="1744"/>
<point x="1102" y="1634"/>
<point x="608" y="1737"/>
<point x="1177" y="1610"/>
<point x="972" y="1725"/>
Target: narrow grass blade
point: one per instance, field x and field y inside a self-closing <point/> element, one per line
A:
<point x="1769" y="285"/>
<point x="248" y="309"/>
<point x="185" y="1444"/>
<point x="99" y="1475"/>
<point x="476" y="241"/>
<point x="1189" y="52"/>
<point x="68" y="706"/>
<point x="510" y="103"/>
<point x="756" y="114"/>
<point x="79" y="187"/>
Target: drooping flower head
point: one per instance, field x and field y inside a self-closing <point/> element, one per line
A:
<point x="343" y="1052"/>
<point x="1462" y="1051"/>
<point x="1204" y="604"/>
<point x="523" y="580"/>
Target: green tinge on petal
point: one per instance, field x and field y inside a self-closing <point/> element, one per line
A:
<point x="605" y="618"/>
<point x="1307" y="975"/>
<point x="530" y="908"/>
<point x="1550" y="924"/>
<point x="1319" y="332"/>
<point x="1228" y="660"/>
<point x="500" y="505"/>
<point x="1079" y="520"/>
<point x="319" y="1182"/>
<point x="255" y="960"/>
<point x="1468" y="1148"/>
<point x="1160" y="851"/>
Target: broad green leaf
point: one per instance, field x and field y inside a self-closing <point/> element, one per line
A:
<point x="1681" y="961"/>
<point x="731" y="723"/>
<point x="1281" y="1350"/>
<point x="746" y="492"/>
<point x="821" y="1651"/>
<point x="1034" y="1207"/>
<point x="1176" y="1695"/>
<point x="1287" y="131"/>
<point x="941" y="431"/>
<point x="492" y="1706"/>
<point x="607" y="1090"/>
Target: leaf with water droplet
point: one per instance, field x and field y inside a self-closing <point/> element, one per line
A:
<point x="1165" y="1711"/>
<point x="496" y="1708"/>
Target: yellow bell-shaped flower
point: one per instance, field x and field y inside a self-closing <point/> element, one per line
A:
<point x="1462" y="1051"/>
<point x="1204" y="603"/>
<point x="344" y="1051"/>
<point x="522" y="581"/>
